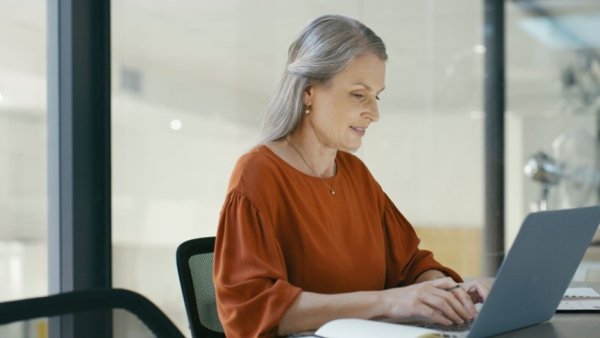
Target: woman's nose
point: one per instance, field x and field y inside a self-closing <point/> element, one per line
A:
<point x="372" y="111"/>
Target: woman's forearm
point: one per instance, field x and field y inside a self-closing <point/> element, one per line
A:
<point x="436" y="300"/>
<point x="430" y="275"/>
<point x="311" y="310"/>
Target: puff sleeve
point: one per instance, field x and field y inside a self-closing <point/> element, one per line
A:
<point x="251" y="285"/>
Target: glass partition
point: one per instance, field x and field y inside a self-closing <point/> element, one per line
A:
<point x="23" y="197"/>
<point x="23" y="200"/>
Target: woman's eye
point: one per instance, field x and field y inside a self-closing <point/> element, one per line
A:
<point x="358" y="96"/>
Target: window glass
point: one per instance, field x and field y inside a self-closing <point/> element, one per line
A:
<point x="23" y="201"/>
<point x="553" y="102"/>
<point x="23" y="197"/>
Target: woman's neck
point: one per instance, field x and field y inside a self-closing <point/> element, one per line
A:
<point x="312" y="154"/>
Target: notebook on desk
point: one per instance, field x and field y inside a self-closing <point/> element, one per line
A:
<point x="534" y="275"/>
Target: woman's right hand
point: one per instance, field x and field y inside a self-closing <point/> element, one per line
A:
<point x="439" y="301"/>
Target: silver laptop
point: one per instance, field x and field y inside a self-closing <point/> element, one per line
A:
<point x="536" y="272"/>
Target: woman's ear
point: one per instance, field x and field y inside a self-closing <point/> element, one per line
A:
<point x="308" y="96"/>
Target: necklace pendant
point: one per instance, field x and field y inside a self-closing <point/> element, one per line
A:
<point x="332" y="191"/>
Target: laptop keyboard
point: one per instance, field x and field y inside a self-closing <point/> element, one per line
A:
<point x="466" y="326"/>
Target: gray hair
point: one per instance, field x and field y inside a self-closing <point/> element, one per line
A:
<point x="323" y="49"/>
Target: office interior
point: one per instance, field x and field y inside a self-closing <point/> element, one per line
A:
<point x="190" y="80"/>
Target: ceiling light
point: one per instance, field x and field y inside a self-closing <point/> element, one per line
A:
<point x="176" y="124"/>
<point x="479" y="49"/>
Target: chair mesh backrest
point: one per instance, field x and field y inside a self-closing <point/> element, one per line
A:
<point x="204" y="290"/>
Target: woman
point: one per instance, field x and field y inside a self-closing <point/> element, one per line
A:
<point x="306" y="235"/>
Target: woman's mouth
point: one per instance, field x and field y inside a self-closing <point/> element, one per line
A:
<point x="359" y="130"/>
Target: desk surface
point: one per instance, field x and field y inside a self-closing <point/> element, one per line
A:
<point x="564" y="325"/>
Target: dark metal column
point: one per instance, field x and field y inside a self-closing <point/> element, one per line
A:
<point x="79" y="180"/>
<point x="494" y="103"/>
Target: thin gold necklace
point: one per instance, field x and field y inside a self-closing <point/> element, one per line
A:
<point x="330" y="186"/>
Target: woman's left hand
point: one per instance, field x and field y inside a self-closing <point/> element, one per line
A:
<point x="478" y="289"/>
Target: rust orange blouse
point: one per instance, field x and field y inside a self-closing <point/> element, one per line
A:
<point x="282" y="231"/>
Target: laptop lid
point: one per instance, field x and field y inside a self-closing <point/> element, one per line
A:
<point x="537" y="270"/>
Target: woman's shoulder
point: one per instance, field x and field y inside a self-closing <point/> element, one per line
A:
<point x="253" y="157"/>
<point x="258" y="158"/>
<point x="255" y="167"/>
<point x="351" y="162"/>
<point x="354" y="171"/>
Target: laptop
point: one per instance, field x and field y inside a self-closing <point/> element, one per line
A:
<point x="536" y="272"/>
<point x="528" y="287"/>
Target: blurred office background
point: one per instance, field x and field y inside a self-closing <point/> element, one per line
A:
<point x="190" y="80"/>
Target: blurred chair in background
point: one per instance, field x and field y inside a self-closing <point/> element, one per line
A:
<point x="195" y="265"/>
<point x="87" y="300"/>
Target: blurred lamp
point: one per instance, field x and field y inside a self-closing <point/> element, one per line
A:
<point x="543" y="168"/>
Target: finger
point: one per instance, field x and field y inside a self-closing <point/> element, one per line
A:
<point x="441" y="301"/>
<point x="466" y="301"/>
<point x="457" y="304"/>
<point x="483" y="291"/>
<point x="471" y="289"/>
<point x="478" y="291"/>
<point x="432" y="314"/>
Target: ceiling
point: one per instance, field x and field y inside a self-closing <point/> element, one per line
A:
<point x="224" y="57"/>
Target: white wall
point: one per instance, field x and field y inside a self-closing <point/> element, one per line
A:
<point x="22" y="175"/>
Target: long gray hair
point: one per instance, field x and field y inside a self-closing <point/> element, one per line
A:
<point x="323" y="49"/>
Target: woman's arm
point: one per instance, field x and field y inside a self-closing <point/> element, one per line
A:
<point x="430" y="275"/>
<point x="424" y="302"/>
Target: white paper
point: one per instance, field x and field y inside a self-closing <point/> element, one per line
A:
<point x="581" y="292"/>
<point x="580" y="299"/>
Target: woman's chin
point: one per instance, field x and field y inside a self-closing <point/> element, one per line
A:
<point x="351" y="149"/>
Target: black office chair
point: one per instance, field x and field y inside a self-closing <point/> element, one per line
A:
<point x="90" y="299"/>
<point x="195" y="265"/>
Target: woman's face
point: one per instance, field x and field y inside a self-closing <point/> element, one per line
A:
<point x="343" y="108"/>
